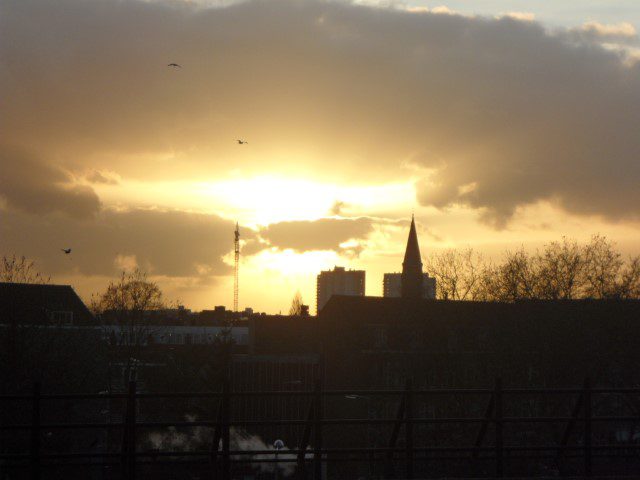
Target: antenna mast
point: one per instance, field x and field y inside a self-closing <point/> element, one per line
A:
<point x="236" y="245"/>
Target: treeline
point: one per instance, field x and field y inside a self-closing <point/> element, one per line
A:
<point x="561" y="270"/>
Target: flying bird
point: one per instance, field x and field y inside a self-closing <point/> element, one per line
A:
<point x="66" y="251"/>
<point x="174" y="65"/>
<point x="242" y="142"/>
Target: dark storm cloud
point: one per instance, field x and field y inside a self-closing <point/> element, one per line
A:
<point x="171" y="243"/>
<point x="322" y="234"/>
<point x="29" y="184"/>
<point x="502" y="112"/>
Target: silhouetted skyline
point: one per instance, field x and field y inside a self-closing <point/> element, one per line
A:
<point x="137" y="133"/>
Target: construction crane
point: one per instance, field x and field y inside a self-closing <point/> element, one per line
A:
<point x="236" y="245"/>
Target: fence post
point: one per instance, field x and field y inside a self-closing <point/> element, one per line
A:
<point x="226" y="433"/>
<point x="400" y="417"/>
<point x="498" y="421"/>
<point x="317" y="427"/>
<point x="488" y="415"/>
<point x="408" y="429"/>
<point x="215" y="444"/>
<point x="304" y="442"/>
<point x="131" y="422"/>
<point x="124" y="448"/>
<point x="35" y="433"/>
<point x="587" y="428"/>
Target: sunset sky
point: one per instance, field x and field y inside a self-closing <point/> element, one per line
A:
<point x="498" y="123"/>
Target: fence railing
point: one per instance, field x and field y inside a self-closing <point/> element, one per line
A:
<point x="311" y="450"/>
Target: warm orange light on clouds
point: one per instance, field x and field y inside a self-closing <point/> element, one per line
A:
<point x="264" y="199"/>
<point x="496" y="131"/>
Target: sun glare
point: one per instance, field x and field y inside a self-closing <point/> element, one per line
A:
<point x="265" y="199"/>
<point x="289" y="262"/>
<point x="262" y="200"/>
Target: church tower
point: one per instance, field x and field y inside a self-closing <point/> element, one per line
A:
<point x="412" y="277"/>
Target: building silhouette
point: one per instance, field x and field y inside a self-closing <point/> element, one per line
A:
<point x="392" y="285"/>
<point x="412" y="282"/>
<point x="338" y="282"/>
<point x="35" y="304"/>
<point x="411" y="279"/>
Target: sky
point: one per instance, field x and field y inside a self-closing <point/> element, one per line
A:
<point x="499" y="124"/>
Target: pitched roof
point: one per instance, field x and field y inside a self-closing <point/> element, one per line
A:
<point x="32" y="303"/>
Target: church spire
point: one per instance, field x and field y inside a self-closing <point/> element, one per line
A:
<point x="412" y="266"/>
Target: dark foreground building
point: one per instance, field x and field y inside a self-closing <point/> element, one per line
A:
<point x="361" y="343"/>
<point x="34" y="304"/>
<point x="378" y="342"/>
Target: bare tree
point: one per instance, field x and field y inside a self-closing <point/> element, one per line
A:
<point x="629" y="284"/>
<point x="563" y="270"/>
<point x="602" y="269"/>
<point x="20" y="270"/>
<point x="459" y="274"/>
<point x="559" y="270"/>
<point x="516" y="278"/>
<point x="124" y="308"/>
<point x="296" y="305"/>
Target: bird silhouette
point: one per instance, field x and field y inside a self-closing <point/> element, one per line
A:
<point x="174" y="65"/>
<point x="242" y="142"/>
<point x="66" y="251"/>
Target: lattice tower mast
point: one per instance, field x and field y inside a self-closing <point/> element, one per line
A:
<point x="236" y="245"/>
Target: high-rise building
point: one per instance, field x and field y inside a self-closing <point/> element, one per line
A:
<point x="338" y="282"/>
<point x="392" y="285"/>
<point x="412" y="282"/>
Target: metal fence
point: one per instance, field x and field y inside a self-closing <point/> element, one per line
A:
<point x="399" y="456"/>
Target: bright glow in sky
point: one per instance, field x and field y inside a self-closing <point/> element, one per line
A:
<point x="262" y="200"/>
<point x="500" y="124"/>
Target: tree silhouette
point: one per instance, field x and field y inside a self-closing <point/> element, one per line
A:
<point x="563" y="270"/>
<point x="296" y="305"/>
<point x="20" y="270"/>
<point x="125" y="305"/>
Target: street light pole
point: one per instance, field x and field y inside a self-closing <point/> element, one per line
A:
<point x="278" y="444"/>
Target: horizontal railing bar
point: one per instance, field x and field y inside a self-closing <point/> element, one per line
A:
<point x="309" y="453"/>
<point x="433" y="391"/>
<point x="66" y="396"/>
<point x="333" y="459"/>
<point x="61" y="426"/>
<point x="151" y="395"/>
<point x="328" y="421"/>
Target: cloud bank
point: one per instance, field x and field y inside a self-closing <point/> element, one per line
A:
<point x="29" y="184"/>
<point x="498" y="113"/>
<point x="165" y="243"/>
<point x="322" y="234"/>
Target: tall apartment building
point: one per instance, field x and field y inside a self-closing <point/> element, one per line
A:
<point x="392" y="285"/>
<point x="338" y="282"/>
